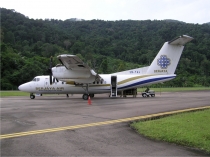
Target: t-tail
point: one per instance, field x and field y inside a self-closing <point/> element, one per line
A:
<point x="168" y="57"/>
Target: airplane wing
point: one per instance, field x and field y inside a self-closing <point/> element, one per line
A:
<point x="74" y="63"/>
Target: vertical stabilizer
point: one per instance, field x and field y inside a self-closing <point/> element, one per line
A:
<point x="168" y="57"/>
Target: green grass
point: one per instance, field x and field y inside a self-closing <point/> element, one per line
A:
<point x="175" y="89"/>
<point x="13" y="93"/>
<point x="189" y="129"/>
<point x="16" y="93"/>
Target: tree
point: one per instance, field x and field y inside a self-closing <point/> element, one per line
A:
<point x="9" y="38"/>
<point x="108" y="46"/>
<point x="67" y="43"/>
<point x="104" y="66"/>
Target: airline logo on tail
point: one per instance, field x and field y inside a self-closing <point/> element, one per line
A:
<point x="163" y="61"/>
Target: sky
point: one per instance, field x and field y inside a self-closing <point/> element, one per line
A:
<point x="189" y="11"/>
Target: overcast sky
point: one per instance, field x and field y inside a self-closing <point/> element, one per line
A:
<point x="189" y="11"/>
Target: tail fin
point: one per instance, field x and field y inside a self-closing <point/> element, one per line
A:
<point x="168" y="57"/>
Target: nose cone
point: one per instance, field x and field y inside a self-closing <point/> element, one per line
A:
<point x="24" y="87"/>
<point x="20" y="87"/>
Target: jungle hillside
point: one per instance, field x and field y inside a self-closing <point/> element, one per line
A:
<point x="106" y="46"/>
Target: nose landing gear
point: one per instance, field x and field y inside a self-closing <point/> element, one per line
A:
<point x="32" y="96"/>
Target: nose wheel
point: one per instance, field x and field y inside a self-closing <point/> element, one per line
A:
<point x="32" y="96"/>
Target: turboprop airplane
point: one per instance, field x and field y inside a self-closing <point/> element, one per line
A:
<point x="73" y="76"/>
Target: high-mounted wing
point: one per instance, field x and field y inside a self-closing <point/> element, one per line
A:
<point x="73" y="62"/>
<point x="75" y="70"/>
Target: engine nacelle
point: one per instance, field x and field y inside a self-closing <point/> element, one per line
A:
<point x="80" y="76"/>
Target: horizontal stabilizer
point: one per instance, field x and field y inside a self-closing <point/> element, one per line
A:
<point x="181" y="40"/>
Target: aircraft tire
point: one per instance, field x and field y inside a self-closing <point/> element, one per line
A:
<point x="91" y="95"/>
<point x="32" y="96"/>
<point x="144" y="95"/>
<point x="85" y="96"/>
<point x="152" y="95"/>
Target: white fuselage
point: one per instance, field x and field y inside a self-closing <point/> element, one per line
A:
<point x="41" y="84"/>
<point x="76" y="77"/>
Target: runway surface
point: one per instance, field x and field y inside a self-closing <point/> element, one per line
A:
<point x="22" y="114"/>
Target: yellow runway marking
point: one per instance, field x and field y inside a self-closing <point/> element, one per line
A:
<point x="98" y="123"/>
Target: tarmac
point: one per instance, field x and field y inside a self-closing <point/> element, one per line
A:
<point x="61" y="126"/>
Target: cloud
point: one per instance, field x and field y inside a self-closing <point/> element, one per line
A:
<point x="191" y="11"/>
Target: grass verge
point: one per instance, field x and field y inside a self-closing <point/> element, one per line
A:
<point x="190" y="129"/>
<point x="13" y="93"/>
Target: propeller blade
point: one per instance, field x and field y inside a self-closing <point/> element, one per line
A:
<point x="50" y="62"/>
<point x="50" y="70"/>
<point x="50" y="79"/>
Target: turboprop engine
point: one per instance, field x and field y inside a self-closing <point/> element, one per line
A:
<point x="79" y="76"/>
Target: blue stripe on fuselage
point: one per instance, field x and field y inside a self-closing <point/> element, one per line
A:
<point x="146" y="81"/>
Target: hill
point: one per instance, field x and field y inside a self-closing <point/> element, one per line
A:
<point x="107" y="46"/>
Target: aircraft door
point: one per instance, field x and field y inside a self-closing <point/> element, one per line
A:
<point x="113" y="86"/>
<point x="46" y="82"/>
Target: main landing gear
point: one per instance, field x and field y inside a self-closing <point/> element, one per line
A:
<point x="85" y="96"/>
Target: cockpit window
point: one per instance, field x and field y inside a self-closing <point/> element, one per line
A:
<point x="36" y="79"/>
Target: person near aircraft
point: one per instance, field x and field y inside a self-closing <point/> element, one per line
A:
<point x="147" y="90"/>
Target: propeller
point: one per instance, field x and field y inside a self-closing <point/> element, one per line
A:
<point x="55" y="79"/>
<point x="50" y="72"/>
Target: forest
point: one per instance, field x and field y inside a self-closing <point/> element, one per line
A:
<point x="106" y="46"/>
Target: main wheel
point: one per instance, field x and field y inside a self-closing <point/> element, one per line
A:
<point x="91" y="95"/>
<point x="85" y="96"/>
<point x="32" y="96"/>
<point x="152" y="95"/>
<point x="144" y="95"/>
